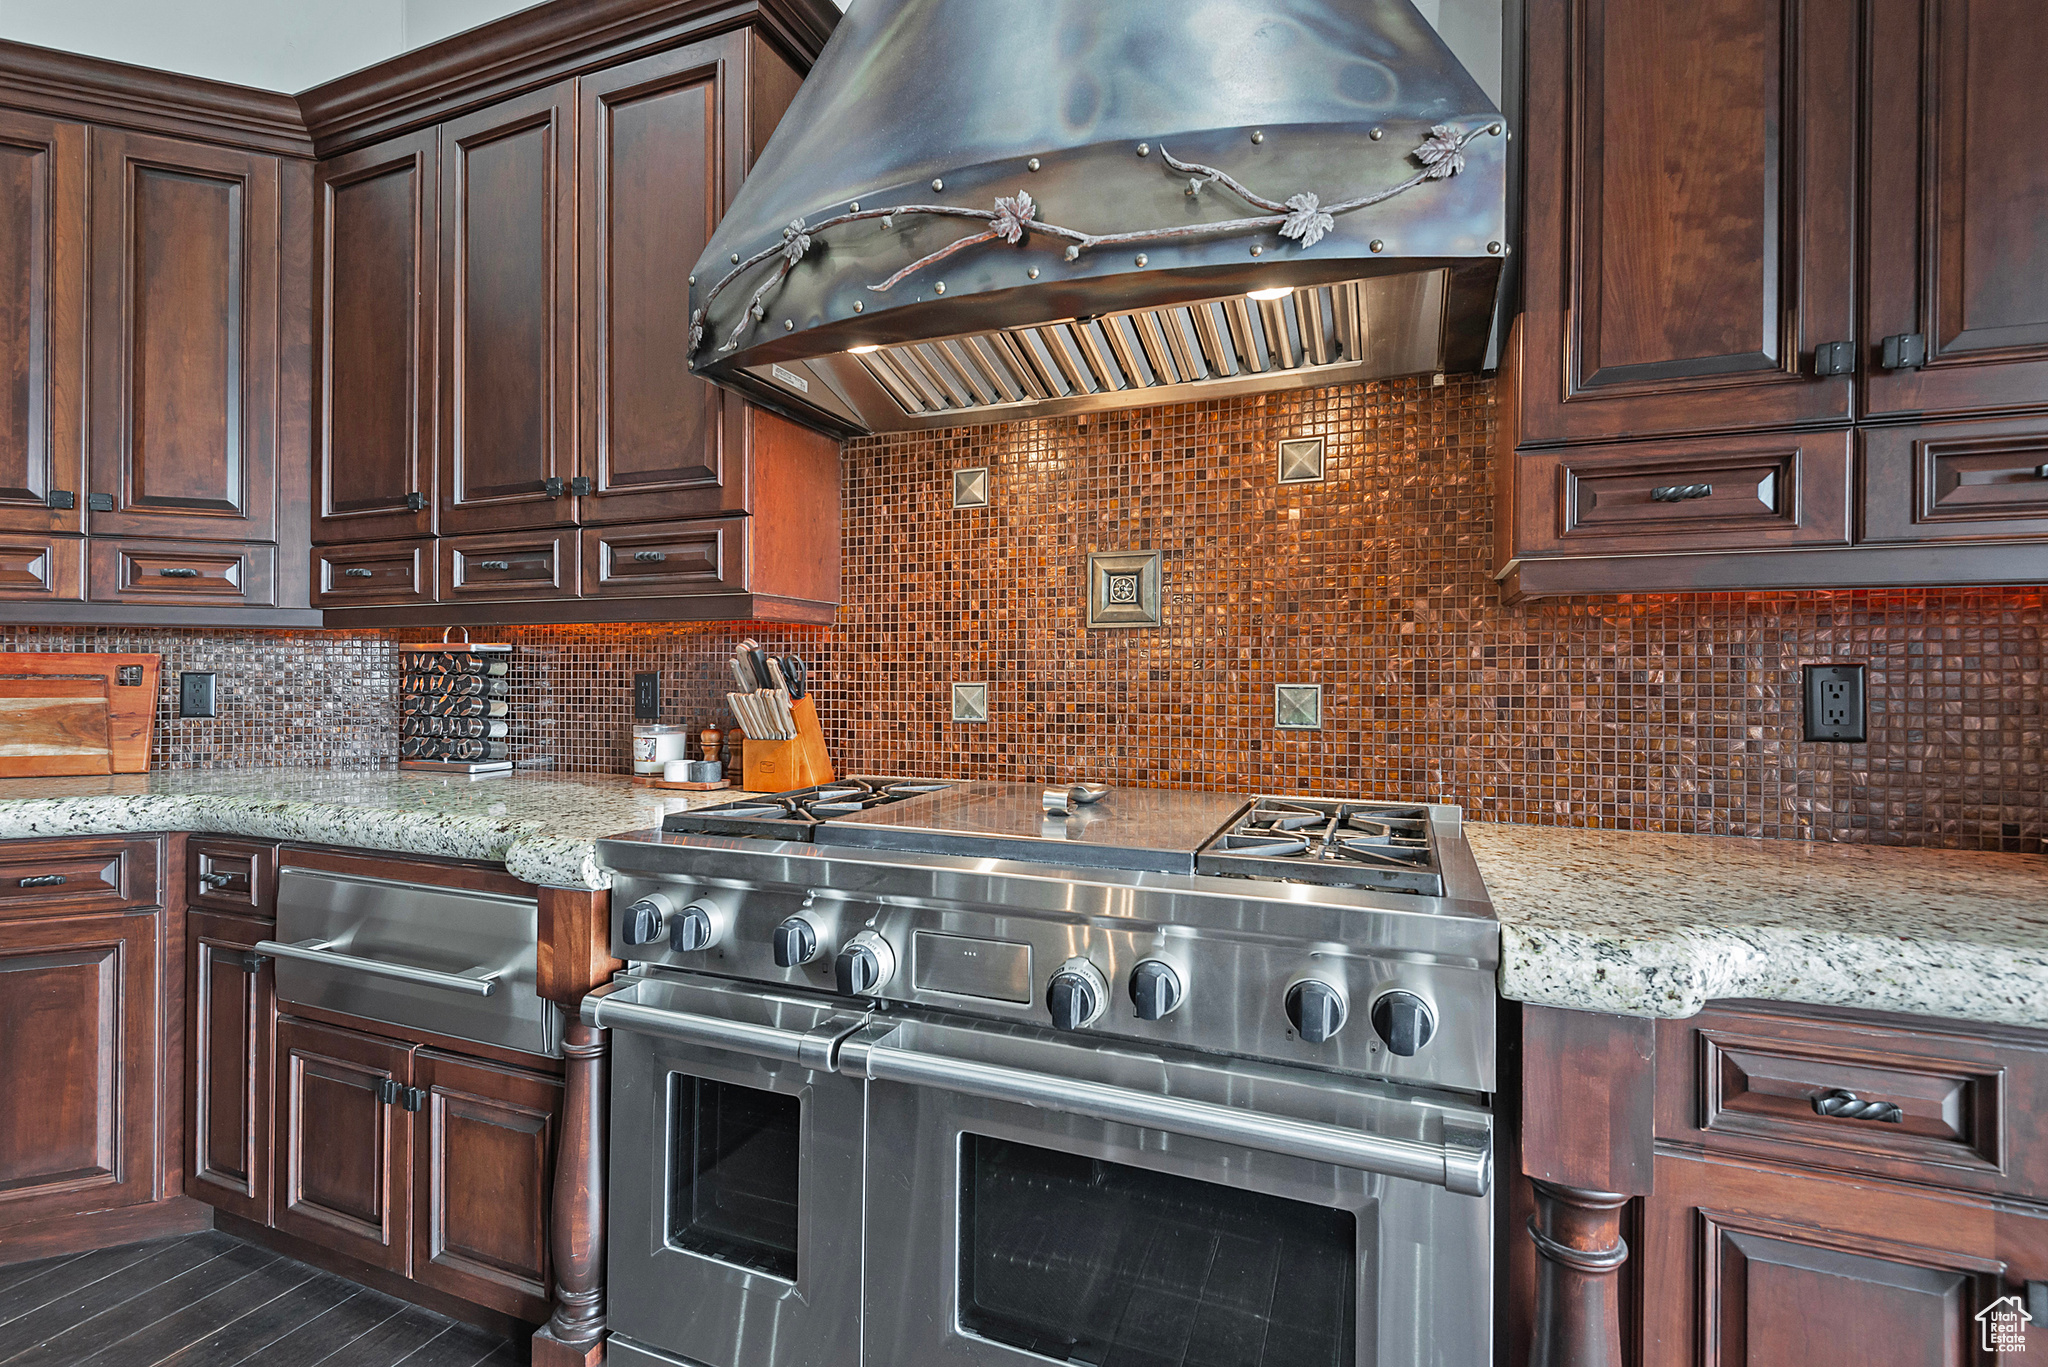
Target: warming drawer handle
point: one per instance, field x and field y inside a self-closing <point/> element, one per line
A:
<point x="607" y="1012"/>
<point x="1464" y="1165"/>
<point x="477" y="982"/>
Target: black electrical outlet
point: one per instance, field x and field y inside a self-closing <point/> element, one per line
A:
<point x="1835" y="703"/>
<point x="195" y="695"/>
<point x="647" y="697"/>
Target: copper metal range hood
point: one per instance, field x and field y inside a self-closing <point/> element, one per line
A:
<point x="979" y="210"/>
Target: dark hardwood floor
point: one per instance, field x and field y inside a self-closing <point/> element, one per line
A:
<point x="209" y="1300"/>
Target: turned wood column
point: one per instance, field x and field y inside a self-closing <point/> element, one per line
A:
<point x="1589" y="1086"/>
<point x="1579" y="1252"/>
<point x="575" y="940"/>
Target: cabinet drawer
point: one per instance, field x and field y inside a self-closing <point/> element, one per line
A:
<point x="382" y="572"/>
<point x="1958" y="481"/>
<point x="1921" y="1105"/>
<point x="65" y="877"/>
<point x="226" y="574"/>
<point x="708" y="556"/>
<point x="1711" y="494"/>
<point x="509" y="565"/>
<point x="235" y="876"/>
<point x="42" y="568"/>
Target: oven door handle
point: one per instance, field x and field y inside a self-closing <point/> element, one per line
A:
<point x="812" y="1049"/>
<point x="1463" y="1163"/>
<point x="478" y="982"/>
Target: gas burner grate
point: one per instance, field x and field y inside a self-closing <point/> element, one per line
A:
<point x="1318" y="840"/>
<point x="795" y="815"/>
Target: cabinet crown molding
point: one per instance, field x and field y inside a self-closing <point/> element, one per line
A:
<point x="71" y="86"/>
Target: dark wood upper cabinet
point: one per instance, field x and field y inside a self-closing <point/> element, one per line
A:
<point x="78" y="1009"/>
<point x="229" y="996"/>
<point x="508" y="309"/>
<point x="1958" y="219"/>
<point x="42" y="328"/>
<point x="185" y="339"/>
<point x="379" y="292"/>
<point x="1690" y="215"/>
<point x="664" y="143"/>
<point x="343" y="1164"/>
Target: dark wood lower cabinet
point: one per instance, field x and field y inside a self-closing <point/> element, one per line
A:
<point x="343" y="1161"/>
<point x="79" y="1054"/>
<point x="484" y="1146"/>
<point x="230" y="997"/>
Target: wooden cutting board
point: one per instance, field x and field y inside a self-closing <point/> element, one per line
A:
<point x="128" y="686"/>
<point x="53" y="726"/>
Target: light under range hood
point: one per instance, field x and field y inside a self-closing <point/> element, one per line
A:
<point x="980" y="211"/>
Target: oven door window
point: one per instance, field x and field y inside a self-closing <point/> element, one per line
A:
<point x="1082" y="1260"/>
<point x="733" y="1184"/>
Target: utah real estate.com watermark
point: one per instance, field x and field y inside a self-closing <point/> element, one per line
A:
<point x="2005" y="1323"/>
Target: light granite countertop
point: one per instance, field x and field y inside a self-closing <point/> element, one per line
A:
<point x="1658" y="925"/>
<point x="542" y="826"/>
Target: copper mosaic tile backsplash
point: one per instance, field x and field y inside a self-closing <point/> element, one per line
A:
<point x="1676" y="713"/>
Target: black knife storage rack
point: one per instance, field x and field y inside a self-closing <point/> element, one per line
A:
<point x="454" y="714"/>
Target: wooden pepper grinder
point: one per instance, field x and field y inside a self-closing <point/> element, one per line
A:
<point x="710" y="738"/>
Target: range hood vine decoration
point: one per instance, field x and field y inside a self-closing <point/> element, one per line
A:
<point x="817" y="295"/>
<point x="1302" y="218"/>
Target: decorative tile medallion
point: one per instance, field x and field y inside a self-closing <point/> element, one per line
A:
<point x="1123" y="589"/>
<point x="1301" y="460"/>
<point x="970" y="488"/>
<point x="1298" y="707"/>
<point x="970" y="702"/>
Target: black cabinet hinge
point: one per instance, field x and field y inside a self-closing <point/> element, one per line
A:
<point x="60" y="498"/>
<point x="415" y="502"/>
<point x="555" y="486"/>
<point x="1834" y="358"/>
<point x="581" y="486"/>
<point x="414" y="1099"/>
<point x="99" y="503"/>
<point x="388" y="1091"/>
<point x="1904" y="351"/>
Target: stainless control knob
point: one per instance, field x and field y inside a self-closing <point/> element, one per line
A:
<point x="697" y="926"/>
<point x="1316" y="1009"/>
<point x="1156" y="989"/>
<point x="646" y="920"/>
<point x="796" y="942"/>
<point x="1076" y="995"/>
<point x="1404" y="1021"/>
<point x="864" y="965"/>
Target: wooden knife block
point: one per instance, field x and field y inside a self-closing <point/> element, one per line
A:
<point x="777" y="766"/>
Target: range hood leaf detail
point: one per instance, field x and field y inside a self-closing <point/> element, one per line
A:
<point x="849" y="326"/>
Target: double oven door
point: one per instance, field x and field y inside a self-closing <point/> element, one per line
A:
<point x="966" y="1194"/>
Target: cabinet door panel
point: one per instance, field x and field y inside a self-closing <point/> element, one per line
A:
<point x="122" y="571"/>
<point x="1960" y="481"/>
<point x="484" y="1179"/>
<point x="229" y="1004"/>
<point x="379" y="292"/>
<point x="1689" y="214"/>
<point x="663" y="143"/>
<point x="343" y="1177"/>
<point x="380" y="572"/>
<point x="78" y="1010"/>
<point x="184" y="341"/>
<point x="509" y="309"/>
<point x="42" y="329"/>
<point x="1958" y="236"/>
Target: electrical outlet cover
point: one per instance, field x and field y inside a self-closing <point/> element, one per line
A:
<point x="195" y="695"/>
<point x="647" y="697"/>
<point x="1836" y="703"/>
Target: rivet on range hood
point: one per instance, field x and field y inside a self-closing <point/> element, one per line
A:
<point x="976" y="212"/>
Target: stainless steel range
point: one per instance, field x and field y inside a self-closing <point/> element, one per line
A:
<point x="916" y="1074"/>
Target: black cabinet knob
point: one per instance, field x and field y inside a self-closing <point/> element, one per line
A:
<point x="796" y="942"/>
<point x="1155" y="989"/>
<point x="1404" y="1021"/>
<point x="1316" y="1009"/>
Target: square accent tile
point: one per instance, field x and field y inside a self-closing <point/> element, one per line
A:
<point x="970" y="702"/>
<point x="1301" y="460"/>
<point x="1298" y="707"/>
<point x="1123" y="589"/>
<point x="970" y="488"/>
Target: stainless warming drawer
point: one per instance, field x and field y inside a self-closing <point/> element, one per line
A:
<point x="449" y="961"/>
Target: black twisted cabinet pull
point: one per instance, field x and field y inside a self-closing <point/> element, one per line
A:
<point x="45" y="880"/>
<point x="650" y="557"/>
<point x="1844" y="1105"/>
<point x="178" y="572"/>
<point x="216" y="880"/>
<point x="1680" y="493"/>
<point x="494" y="564"/>
<point x="358" y="572"/>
